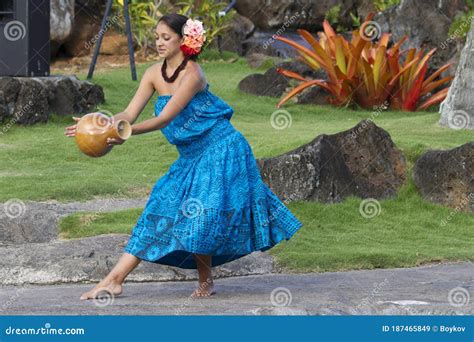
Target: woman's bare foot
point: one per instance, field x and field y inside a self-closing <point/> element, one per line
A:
<point x="107" y="287"/>
<point x="205" y="289"/>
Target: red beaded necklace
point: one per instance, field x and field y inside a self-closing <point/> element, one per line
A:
<point x="176" y="72"/>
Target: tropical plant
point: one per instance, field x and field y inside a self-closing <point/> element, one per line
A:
<point x="461" y="24"/>
<point x="366" y="72"/>
<point x="411" y="86"/>
<point x="144" y="17"/>
<point x="333" y="16"/>
<point x="210" y="12"/>
<point x="382" y="5"/>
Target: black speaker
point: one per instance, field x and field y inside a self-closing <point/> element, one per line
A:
<point x="24" y="37"/>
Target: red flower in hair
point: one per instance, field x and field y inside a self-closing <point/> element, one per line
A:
<point x="194" y="37"/>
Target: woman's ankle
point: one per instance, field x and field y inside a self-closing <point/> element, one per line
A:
<point x="206" y="280"/>
<point x="115" y="278"/>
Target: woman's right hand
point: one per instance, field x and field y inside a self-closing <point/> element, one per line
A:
<point x="70" y="131"/>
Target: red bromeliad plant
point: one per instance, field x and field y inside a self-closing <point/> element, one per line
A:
<point x="365" y="72"/>
<point x="412" y="85"/>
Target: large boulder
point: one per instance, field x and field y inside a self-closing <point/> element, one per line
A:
<point x="312" y="95"/>
<point x="87" y="20"/>
<point x="114" y="44"/>
<point x="309" y="14"/>
<point x="446" y="177"/>
<point x="302" y="69"/>
<point x="9" y="89"/>
<point x="431" y="31"/>
<point x="457" y="110"/>
<point x="26" y="101"/>
<point x="32" y="250"/>
<point x="61" y="22"/>
<point x="90" y="259"/>
<point x="20" y="223"/>
<point x="240" y="29"/>
<point x="261" y="42"/>
<point x="271" y="83"/>
<point x="362" y="161"/>
<point x="29" y="100"/>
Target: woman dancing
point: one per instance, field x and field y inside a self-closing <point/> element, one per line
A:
<point x="211" y="207"/>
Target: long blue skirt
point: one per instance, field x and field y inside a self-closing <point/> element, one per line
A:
<point x="211" y="201"/>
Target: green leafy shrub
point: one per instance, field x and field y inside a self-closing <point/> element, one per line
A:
<point x="209" y="12"/>
<point x="144" y="15"/>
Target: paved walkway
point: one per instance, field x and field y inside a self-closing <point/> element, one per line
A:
<point x="443" y="289"/>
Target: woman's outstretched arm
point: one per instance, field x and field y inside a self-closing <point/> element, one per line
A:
<point x="135" y="107"/>
<point x="141" y="98"/>
<point x="190" y="85"/>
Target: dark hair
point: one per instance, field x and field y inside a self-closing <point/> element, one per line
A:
<point x="176" y="22"/>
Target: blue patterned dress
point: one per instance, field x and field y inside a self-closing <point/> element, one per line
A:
<point x="212" y="199"/>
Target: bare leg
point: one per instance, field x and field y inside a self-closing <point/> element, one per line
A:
<point x="112" y="283"/>
<point x="206" y="284"/>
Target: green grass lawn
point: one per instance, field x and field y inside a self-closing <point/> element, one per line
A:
<point x="40" y="163"/>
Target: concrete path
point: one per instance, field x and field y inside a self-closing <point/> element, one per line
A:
<point x="442" y="289"/>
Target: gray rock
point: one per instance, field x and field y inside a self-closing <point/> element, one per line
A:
<point x="314" y="95"/>
<point x="31" y="222"/>
<point x="61" y="20"/>
<point x="457" y="110"/>
<point x="362" y="161"/>
<point x="9" y="88"/>
<point x="264" y="42"/>
<point x="445" y="288"/>
<point x="31" y="104"/>
<point x="271" y="83"/>
<point x="446" y="177"/>
<point x="302" y="69"/>
<point x="91" y="259"/>
<point x="257" y="60"/>
<point x="74" y="96"/>
<point x="20" y="223"/>
<point x="429" y="32"/>
<point x="275" y="14"/>
<point x="30" y="100"/>
<point x="240" y="29"/>
<point x="32" y="252"/>
<point x="88" y="17"/>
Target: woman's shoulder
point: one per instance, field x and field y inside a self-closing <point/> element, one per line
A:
<point x="195" y="72"/>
